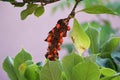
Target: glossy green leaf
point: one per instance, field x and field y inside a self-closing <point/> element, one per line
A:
<point x="94" y="39"/>
<point x="109" y="47"/>
<point x="51" y="71"/>
<point x="39" y="11"/>
<point x="79" y="37"/>
<point x="68" y="62"/>
<point x="98" y="9"/>
<point x="32" y="72"/>
<point x="86" y="71"/>
<point x="107" y="72"/>
<point x="30" y="9"/>
<point x="89" y="3"/>
<point x="21" y="57"/>
<point x="9" y="68"/>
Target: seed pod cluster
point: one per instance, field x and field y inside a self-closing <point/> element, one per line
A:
<point x="55" y="39"/>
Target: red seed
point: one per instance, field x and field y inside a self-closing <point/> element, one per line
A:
<point x="58" y="26"/>
<point x="64" y="35"/>
<point x="58" y="48"/>
<point x="49" y="38"/>
<point x="53" y="31"/>
<point x="68" y="28"/>
<point x="61" y="40"/>
<point x="50" y="56"/>
<point x="61" y="34"/>
<point x="54" y="51"/>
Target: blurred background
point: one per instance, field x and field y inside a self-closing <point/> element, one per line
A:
<point x="30" y="33"/>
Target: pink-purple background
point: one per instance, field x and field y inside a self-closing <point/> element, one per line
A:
<point x="30" y="33"/>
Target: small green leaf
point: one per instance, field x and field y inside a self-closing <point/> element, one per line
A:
<point x="21" y="57"/>
<point x="86" y="71"/>
<point x="109" y="47"/>
<point x="51" y="71"/>
<point x="98" y="9"/>
<point x="107" y="72"/>
<point x="8" y="0"/>
<point x="94" y="39"/>
<point x="39" y="11"/>
<point x="30" y="9"/>
<point x="9" y="68"/>
<point x="69" y="62"/>
<point x="79" y="37"/>
<point x="32" y="72"/>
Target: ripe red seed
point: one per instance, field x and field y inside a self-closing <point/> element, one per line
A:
<point x="49" y="38"/>
<point x="58" y="48"/>
<point x="58" y="26"/>
<point x="64" y="35"/>
<point x="53" y="31"/>
<point x="61" y="40"/>
<point x="68" y="28"/>
<point x="50" y="56"/>
<point x="54" y="51"/>
<point x="61" y="34"/>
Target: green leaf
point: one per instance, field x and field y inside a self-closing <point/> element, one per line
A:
<point x="9" y="68"/>
<point x="79" y="37"/>
<point x="8" y="0"/>
<point x="105" y="32"/>
<point x="107" y="72"/>
<point x="115" y="6"/>
<point x="24" y="65"/>
<point x="21" y="57"/>
<point x="113" y="77"/>
<point x="107" y="62"/>
<point x="109" y="47"/>
<point x="30" y="9"/>
<point x="39" y="11"/>
<point x="89" y="3"/>
<point x="98" y="9"/>
<point x="32" y="72"/>
<point x="51" y="71"/>
<point x="91" y="57"/>
<point x="68" y="62"/>
<point x="86" y="71"/>
<point x="94" y="39"/>
<point x="116" y="57"/>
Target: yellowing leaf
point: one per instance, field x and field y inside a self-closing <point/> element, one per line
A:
<point x="79" y="37"/>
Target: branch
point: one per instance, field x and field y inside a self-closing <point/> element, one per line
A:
<point x="43" y="2"/>
<point x="72" y="14"/>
